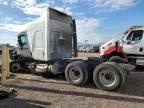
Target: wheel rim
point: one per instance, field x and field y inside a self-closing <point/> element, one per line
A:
<point x="74" y="74"/>
<point x="107" y="78"/>
<point x="15" y="67"/>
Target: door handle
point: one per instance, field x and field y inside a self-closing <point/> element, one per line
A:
<point x="43" y="53"/>
<point x="141" y="49"/>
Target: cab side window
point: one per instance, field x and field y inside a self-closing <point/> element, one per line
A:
<point x="23" y="39"/>
<point x="135" y="35"/>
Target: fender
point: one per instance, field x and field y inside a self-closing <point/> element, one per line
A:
<point x="114" y="50"/>
<point x="109" y="51"/>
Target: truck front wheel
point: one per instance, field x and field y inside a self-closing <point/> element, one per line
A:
<point x="15" y="66"/>
<point x="76" y="73"/>
<point x="117" y="59"/>
<point x="107" y="77"/>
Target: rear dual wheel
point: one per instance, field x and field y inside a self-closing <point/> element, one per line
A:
<point x="108" y="76"/>
<point x="76" y="73"/>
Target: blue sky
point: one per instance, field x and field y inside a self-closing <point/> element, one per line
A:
<point x="97" y="20"/>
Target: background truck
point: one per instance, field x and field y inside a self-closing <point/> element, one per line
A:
<point x="129" y="48"/>
<point x="50" y="44"/>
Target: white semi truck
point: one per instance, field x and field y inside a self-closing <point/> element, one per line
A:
<point x="130" y="47"/>
<point x="51" y="43"/>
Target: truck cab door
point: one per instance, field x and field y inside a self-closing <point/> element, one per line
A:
<point x="23" y="48"/>
<point x="38" y="46"/>
<point x="133" y="43"/>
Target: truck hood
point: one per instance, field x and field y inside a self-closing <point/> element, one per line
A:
<point x="107" y="44"/>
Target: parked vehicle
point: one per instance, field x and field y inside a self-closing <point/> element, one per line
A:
<point x="89" y="48"/>
<point x="83" y="49"/>
<point x="130" y="48"/>
<point x="94" y="49"/>
<point x="51" y="44"/>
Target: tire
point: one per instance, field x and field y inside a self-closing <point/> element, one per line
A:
<point x="4" y="94"/>
<point x="117" y="59"/>
<point x="92" y="63"/>
<point x="123" y="72"/>
<point x="76" y="73"/>
<point x="107" y="76"/>
<point x="15" y="67"/>
<point x="88" y="70"/>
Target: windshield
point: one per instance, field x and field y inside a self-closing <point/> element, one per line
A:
<point x="135" y="35"/>
<point x="22" y="39"/>
<point x="123" y="36"/>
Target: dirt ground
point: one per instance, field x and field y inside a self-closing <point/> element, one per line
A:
<point x="35" y="91"/>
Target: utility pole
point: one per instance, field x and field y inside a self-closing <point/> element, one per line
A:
<point x="5" y="64"/>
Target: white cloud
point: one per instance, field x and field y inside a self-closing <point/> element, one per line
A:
<point x="17" y="26"/>
<point x="75" y="1"/>
<point x="112" y="5"/>
<point x="67" y="10"/>
<point x="24" y="3"/>
<point x="5" y="3"/>
<point x="6" y="38"/>
<point x="105" y="5"/>
<point x="11" y="27"/>
<point x="84" y="24"/>
<point x="70" y="1"/>
<point x="31" y="7"/>
<point x="8" y="18"/>
<point x="87" y="29"/>
<point x="51" y="2"/>
<point x="2" y="35"/>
